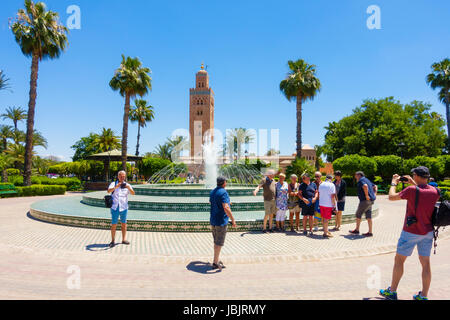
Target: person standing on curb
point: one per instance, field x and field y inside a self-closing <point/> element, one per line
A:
<point x="120" y="191"/>
<point x="367" y="196"/>
<point x="417" y="229"/>
<point x="269" y="191"/>
<point x="220" y="215"/>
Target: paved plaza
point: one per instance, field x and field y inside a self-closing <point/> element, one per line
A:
<point x="36" y="258"/>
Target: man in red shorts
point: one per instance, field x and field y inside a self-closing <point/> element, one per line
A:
<point x="327" y="202"/>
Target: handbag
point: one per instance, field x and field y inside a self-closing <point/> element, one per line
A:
<point x="108" y="198"/>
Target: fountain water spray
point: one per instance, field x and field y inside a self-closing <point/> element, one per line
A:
<point x="210" y="154"/>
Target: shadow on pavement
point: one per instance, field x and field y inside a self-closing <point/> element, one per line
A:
<point x="353" y="236"/>
<point x="98" y="247"/>
<point x="374" y="298"/>
<point x="201" y="267"/>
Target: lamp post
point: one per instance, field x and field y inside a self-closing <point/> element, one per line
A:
<point x="400" y="146"/>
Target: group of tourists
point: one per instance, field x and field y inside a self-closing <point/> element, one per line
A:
<point x="315" y="200"/>
<point x="311" y="198"/>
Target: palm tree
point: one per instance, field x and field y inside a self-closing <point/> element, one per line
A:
<point x="40" y="35"/>
<point x="440" y="78"/>
<point x="163" y="151"/>
<point x="141" y="113"/>
<point x="4" y="81"/>
<point x="6" y="132"/>
<point x="17" y="153"/>
<point x="106" y="141"/>
<point x="15" y="114"/>
<point x="131" y="79"/>
<point x="236" y="138"/>
<point x="39" y="140"/>
<point x="6" y="161"/>
<point x="301" y="84"/>
<point x="176" y="145"/>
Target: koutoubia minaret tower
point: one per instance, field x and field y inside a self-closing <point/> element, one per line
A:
<point x="201" y="112"/>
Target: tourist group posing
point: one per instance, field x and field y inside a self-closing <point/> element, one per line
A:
<point x="314" y="200"/>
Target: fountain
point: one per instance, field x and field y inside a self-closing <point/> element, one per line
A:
<point x="168" y="203"/>
<point x="210" y="160"/>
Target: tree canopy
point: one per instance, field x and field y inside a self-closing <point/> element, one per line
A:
<point x="379" y="126"/>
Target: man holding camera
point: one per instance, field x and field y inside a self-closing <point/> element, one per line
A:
<point x="417" y="229"/>
<point x="120" y="190"/>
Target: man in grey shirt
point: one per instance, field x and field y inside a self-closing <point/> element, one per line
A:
<point x="269" y="189"/>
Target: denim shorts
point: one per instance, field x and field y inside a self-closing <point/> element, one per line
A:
<point x="408" y="241"/>
<point x="115" y="216"/>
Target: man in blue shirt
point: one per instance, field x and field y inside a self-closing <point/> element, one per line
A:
<point x="367" y="195"/>
<point x="220" y="216"/>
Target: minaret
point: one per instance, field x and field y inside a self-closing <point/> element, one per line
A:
<point x="201" y="111"/>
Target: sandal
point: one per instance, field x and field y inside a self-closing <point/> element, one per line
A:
<point x="354" y="231"/>
<point x="112" y="244"/>
<point x="368" y="234"/>
<point x="125" y="242"/>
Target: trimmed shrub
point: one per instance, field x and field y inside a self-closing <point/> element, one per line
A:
<point x="445" y="160"/>
<point x="72" y="184"/>
<point x="435" y="166"/>
<point x="353" y="163"/>
<point x="149" y="166"/>
<point x="40" y="190"/>
<point x="387" y="166"/>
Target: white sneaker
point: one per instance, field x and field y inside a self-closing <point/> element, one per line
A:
<point x="316" y="229"/>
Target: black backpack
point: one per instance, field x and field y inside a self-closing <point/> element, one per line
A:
<point x="108" y="198"/>
<point x="441" y="218"/>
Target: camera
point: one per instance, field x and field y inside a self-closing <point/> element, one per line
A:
<point x="123" y="185"/>
<point x="403" y="179"/>
<point x="410" y="221"/>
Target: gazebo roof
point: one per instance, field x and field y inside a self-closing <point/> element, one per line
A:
<point x="113" y="155"/>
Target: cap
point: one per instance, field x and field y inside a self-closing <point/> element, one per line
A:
<point x="421" y="172"/>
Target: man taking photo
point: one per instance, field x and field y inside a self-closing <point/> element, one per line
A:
<point x="417" y="228"/>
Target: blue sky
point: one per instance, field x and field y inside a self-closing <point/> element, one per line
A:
<point x="246" y="45"/>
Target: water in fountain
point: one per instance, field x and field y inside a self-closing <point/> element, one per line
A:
<point x="210" y="153"/>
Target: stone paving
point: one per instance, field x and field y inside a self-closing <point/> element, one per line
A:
<point x="36" y="255"/>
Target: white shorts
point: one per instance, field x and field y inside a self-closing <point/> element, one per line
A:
<point x="281" y="215"/>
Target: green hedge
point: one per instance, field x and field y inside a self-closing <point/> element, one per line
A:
<point x="40" y="190"/>
<point x="386" y="166"/>
<point x="72" y="184"/>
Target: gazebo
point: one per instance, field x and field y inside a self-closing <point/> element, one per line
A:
<point x="113" y="155"/>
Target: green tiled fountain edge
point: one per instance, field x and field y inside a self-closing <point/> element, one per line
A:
<point x="188" y="191"/>
<point x="179" y="204"/>
<point x="70" y="211"/>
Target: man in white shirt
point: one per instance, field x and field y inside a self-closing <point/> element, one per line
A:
<point x="120" y="190"/>
<point x="327" y="202"/>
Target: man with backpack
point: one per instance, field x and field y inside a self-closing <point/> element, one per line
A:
<point x="417" y="229"/>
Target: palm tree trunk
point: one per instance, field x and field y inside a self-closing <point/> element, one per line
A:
<point x="299" y="126"/>
<point x="138" y="137"/>
<point x="447" y="114"/>
<point x="125" y="131"/>
<point x="4" y="176"/>
<point x="30" y="120"/>
<point x="106" y="166"/>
